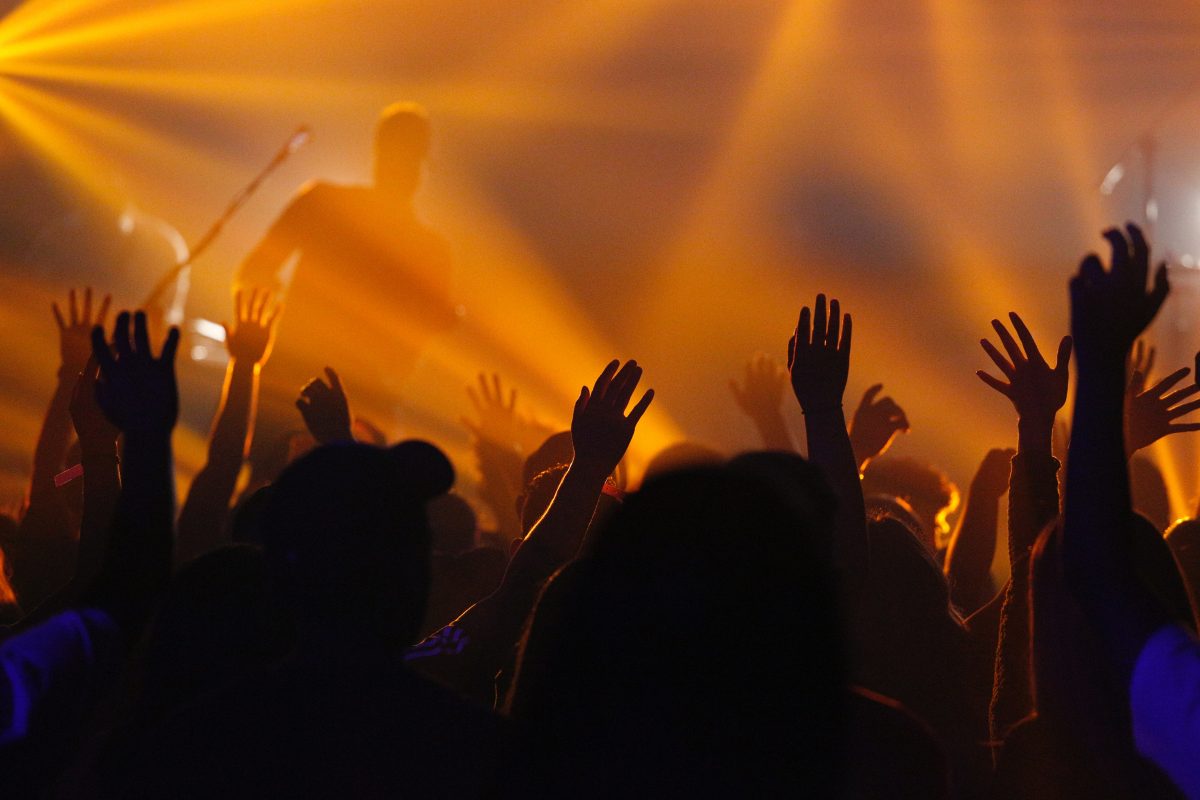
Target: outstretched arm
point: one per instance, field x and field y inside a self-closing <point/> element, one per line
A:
<point x="202" y="519"/>
<point x="973" y="545"/>
<point x="601" y="432"/>
<point x="46" y="517"/>
<point x="503" y="438"/>
<point x="101" y="491"/>
<point x="1109" y="310"/>
<point x="51" y="675"/>
<point x="819" y="362"/>
<point x="74" y="349"/>
<point x="759" y="396"/>
<point x="325" y="409"/>
<point x="1037" y="392"/>
<point x="101" y="474"/>
<point x="1159" y="662"/>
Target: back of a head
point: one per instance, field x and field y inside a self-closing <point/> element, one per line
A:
<point x="908" y="641"/>
<point x="404" y="125"/>
<point x="402" y="138"/>
<point x="1158" y="570"/>
<point x="801" y="483"/>
<point x="904" y="581"/>
<point x="347" y="538"/>
<point x="682" y="455"/>
<point x="557" y="449"/>
<point x="539" y="491"/>
<point x="702" y="637"/>
<point x="1184" y="540"/>
<point x="928" y="490"/>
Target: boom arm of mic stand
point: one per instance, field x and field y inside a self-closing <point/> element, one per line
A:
<point x="234" y="206"/>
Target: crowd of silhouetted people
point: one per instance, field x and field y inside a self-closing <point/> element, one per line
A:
<point x="767" y="624"/>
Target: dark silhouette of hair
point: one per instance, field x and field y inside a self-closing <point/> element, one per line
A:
<point x="347" y="547"/>
<point x="910" y="644"/>
<point x="245" y="523"/>
<point x="556" y="450"/>
<point x="682" y="455"/>
<point x="347" y="538"/>
<point x="698" y="648"/>
<point x="799" y="482"/>
<point x="1158" y="571"/>
<point x="539" y="491"/>
<point x="926" y="489"/>
<point x="1184" y="540"/>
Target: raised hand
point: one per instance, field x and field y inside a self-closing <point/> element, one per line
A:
<point x="875" y="425"/>
<point x="75" y="330"/>
<point x="499" y="422"/>
<point x="136" y="391"/>
<point x="761" y="390"/>
<point x="325" y="409"/>
<point x="1111" y="308"/>
<point x="1150" y="414"/>
<point x="1036" y="391"/>
<point x="819" y="356"/>
<point x="600" y="429"/>
<point x="95" y="430"/>
<point x="251" y="341"/>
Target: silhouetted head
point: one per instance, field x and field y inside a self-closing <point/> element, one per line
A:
<point x="905" y="586"/>
<point x="557" y="449"/>
<point x="884" y="506"/>
<point x="347" y="537"/>
<point x="697" y="648"/>
<point x="1158" y="571"/>
<point x="1184" y="540"/>
<point x="401" y="144"/>
<point x="539" y="491"/>
<point x="800" y="483"/>
<point x="909" y="642"/>
<point x="682" y="455"/>
<point x="245" y="523"/>
<point x="928" y="490"/>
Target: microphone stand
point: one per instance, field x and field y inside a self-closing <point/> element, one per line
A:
<point x="294" y="143"/>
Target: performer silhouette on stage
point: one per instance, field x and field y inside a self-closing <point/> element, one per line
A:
<point x="365" y="283"/>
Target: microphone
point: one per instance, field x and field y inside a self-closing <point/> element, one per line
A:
<point x="298" y="140"/>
